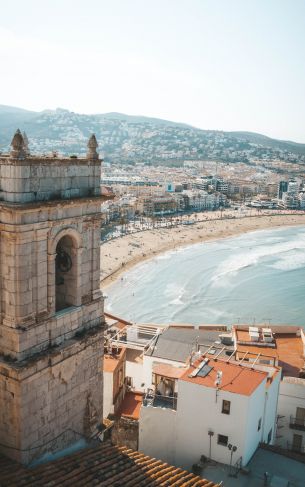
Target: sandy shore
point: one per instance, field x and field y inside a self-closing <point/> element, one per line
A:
<point x="121" y="254"/>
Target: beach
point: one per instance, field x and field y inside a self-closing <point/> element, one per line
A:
<point x="120" y="254"/>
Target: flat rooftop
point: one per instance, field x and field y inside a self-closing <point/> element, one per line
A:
<point x="112" y="360"/>
<point x="287" y="346"/>
<point x="177" y="344"/>
<point x="236" y="378"/>
<point x="168" y="371"/>
<point x="131" y="405"/>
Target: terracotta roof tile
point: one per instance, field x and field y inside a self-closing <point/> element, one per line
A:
<point x="104" y="466"/>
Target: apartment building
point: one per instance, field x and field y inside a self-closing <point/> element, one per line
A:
<point x="214" y="408"/>
<point x="185" y="384"/>
<point x="281" y="346"/>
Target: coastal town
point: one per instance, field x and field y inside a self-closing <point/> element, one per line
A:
<point x="152" y="243"/>
<point x="209" y="404"/>
<point x="158" y="192"/>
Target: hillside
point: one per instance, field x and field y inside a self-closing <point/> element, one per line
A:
<point x="129" y="139"/>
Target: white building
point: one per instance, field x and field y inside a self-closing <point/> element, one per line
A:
<point x="283" y="346"/>
<point x="211" y="406"/>
<point x="293" y="188"/>
<point x="301" y="198"/>
<point x="183" y="410"/>
<point x="291" y="414"/>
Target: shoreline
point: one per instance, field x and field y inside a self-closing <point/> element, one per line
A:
<point x="121" y="254"/>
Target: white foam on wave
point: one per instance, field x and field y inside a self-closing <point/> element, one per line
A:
<point x="165" y="256"/>
<point x="174" y="292"/>
<point x="231" y="266"/>
<point x="290" y="262"/>
<point x="176" y="301"/>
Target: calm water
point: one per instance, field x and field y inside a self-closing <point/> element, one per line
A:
<point x="259" y="275"/>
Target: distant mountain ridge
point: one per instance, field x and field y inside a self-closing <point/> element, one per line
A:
<point x="130" y="138"/>
<point x="142" y="119"/>
<point x="264" y="139"/>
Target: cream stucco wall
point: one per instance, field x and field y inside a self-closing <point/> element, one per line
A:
<point x="291" y="396"/>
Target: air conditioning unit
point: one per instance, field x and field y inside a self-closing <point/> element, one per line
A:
<point x="267" y="335"/>
<point x="254" y="333"/>
<point x="226" y="338"/>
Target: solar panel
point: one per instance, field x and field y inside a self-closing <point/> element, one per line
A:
<point x="204" y="371"/>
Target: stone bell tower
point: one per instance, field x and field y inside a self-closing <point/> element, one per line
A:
<point x="51" y="306"/>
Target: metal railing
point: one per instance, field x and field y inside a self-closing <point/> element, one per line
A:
<point x="158" y="401"/>
<point x="297" y="423"/>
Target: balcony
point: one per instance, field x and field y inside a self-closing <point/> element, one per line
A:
<point x="297" y="423"/>
<point x="158" y="401"/>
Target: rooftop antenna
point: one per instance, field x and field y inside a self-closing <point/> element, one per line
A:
<point x="218" y="383"/>
<point x="218" y="379"/>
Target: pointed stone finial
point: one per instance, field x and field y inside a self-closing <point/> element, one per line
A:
<point x="26" y="144"/>
<point x="17" y="145"/>
<point x="92" y="146"/>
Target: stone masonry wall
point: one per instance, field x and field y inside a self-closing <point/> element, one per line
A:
<point x="51" y="306"/>
<point x="50" y="396"/>
<point x="125" y="432"/>
<point x="27" y="259"/>
<point x="44" y="179"/>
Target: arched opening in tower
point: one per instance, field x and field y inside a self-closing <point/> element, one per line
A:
<point x="65" y="273"/>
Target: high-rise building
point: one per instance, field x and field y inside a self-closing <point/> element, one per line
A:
<point x="293" y="187"/>
<point x="282" y="188"/>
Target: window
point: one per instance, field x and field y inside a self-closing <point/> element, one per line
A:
<point x="269" y="436"/>
<point x="300" y="416"/>
<point x="222" y="440"/>
<point x="226" y="407"/>
<point x="297" y="443"/>
<point x="259" y="424"/>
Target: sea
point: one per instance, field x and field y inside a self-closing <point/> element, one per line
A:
<point x="257" y="277"/>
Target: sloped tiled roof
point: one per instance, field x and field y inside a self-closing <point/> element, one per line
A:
<point x="105" y="466"/>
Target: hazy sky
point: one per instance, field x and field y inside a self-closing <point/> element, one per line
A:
<point x="216" y="64"/>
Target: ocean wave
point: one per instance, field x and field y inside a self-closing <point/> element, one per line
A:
<point x="290" y="262"/>
<point x="231" y="266"/>
<point x="199" y="285"/>
<point x="174" y="290"/>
